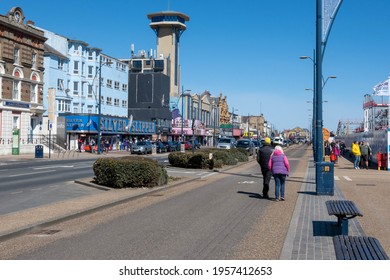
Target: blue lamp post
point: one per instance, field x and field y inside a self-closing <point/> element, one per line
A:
<point x="324" y="184"/>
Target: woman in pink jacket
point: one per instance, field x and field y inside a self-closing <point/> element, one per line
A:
<point x="280" y="168"/>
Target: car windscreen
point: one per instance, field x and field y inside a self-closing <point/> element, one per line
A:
<point x="225" y="141"/>
<point x="242" y="144"/>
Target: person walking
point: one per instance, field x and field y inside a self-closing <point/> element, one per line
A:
<point x="356" y="153"/>
<point x="263" y="156"/>
<point x="365" y="153"/>
<point x="280" y="168"/>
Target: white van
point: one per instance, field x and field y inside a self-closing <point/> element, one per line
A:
<point x="277" y="141"/>
<point x="226" y="143"/>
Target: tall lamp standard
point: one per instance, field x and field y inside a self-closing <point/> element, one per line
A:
<point x="100" y="99"/>
<point x="233" y="120"/>
<point x="215" y="118"/>
<point x="316" y="92"/>
<point x="183" y="93"/>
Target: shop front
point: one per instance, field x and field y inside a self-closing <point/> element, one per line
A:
<point x="82" y="131"/>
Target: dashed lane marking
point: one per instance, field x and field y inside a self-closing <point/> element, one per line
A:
<point x="347" y="178"/>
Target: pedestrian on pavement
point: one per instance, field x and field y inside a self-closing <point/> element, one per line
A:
<point x="365" y="152"/>
<point x="263" y="157"/>
<point x="280" y="168"/>
<point x="356" y="153"/>
<point x="106" y="146"/>
<point x="80" y="144"/>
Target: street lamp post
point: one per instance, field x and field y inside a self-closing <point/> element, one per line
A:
<point x="233" y="120"/>
<point x="183" y="93"/>
<point x="100" y="100"/>
<point x="214" y="116"/>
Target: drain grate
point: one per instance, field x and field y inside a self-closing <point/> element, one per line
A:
<point x="366" y="185"/>
<point x="45" y="232"/>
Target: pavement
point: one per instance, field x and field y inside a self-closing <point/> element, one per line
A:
<point x="310" y="232"/>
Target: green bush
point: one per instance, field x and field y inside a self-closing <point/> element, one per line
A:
<point x="129" y="172"/>
<point x="201" y="158"/>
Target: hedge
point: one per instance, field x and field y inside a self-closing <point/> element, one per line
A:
<point x="129" y="172"/>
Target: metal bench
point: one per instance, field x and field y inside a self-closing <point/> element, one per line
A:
<point x="358" y="248"/>
<point x="343" y="210"/>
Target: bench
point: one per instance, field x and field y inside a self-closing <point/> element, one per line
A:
<point x="343" y="210"/>
<point x="358" y="248"/>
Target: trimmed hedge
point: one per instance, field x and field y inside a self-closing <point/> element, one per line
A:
<point x="200" y="159"/>
<point x="129" y="172"/>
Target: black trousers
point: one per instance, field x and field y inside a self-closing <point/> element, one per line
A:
<point x="267" y="175"/>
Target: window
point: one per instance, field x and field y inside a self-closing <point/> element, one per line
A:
<point x="60" y="64"/>
<point x="124" y="103"/>
<point x="75" y="67"/>
<point x="16" y="56"/>
<point x="63" y="106"/>
<point x="124" y="87"/>
<point x="33" y="93"/>
<point x="109" y="100"/>
<point x="16" y="90"/>
<point x="116" y="102"/>
<point x="117" y="85"/>
<point x="82" y="68"/>
<point x="90" y="91"/>
<point x="90" y="71"/>
<point x="90" y="109"/>
<point x="15" y="122"/>
<point x="76" y="108"/>
<point x="75" y="88"/>
<point x="34" y="60"/>
<point x="101" y="100"/>
<point x="109" y="83"/>
<point x="60" y="85"/>
<point x="90" y="55"/>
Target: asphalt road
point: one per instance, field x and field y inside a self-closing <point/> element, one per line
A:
<point x="206" y="219"/>
<point x="32" y="183"/>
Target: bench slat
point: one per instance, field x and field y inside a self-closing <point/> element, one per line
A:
<point x="358" y="248"/>
<point x="342" y="207"/>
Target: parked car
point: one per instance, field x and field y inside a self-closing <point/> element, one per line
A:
<point x="142" y="147"/>
<point x="246" y="144"/>
<point x="172" y="146"/>
<point x="226" y="143"/>
<point x="160" y="147"/>
<point x="257" y="144"/>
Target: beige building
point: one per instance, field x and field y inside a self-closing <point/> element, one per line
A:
<point x="21" y="82"/>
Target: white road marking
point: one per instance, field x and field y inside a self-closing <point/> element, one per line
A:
<point x="16" y="192"/>
<point x="347" y="178"/>
<point x="336" y="178"/>
<point x="31" y="173"/>
<point x="247" y="182"/>
<point x="52" y="166"/>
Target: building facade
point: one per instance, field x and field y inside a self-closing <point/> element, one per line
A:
<point x="21" y="83"/>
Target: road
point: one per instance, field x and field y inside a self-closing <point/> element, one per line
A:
<point x="210" y="218"/>
<point x="32" y="183"/>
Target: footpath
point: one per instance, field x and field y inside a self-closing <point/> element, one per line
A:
<point x="311" y="229"/>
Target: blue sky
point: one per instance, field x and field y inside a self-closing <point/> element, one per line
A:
<point x="247" y="50"/>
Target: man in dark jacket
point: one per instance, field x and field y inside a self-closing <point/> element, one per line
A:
<point x="263" y="157"/>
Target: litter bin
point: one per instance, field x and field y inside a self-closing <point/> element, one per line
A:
<point x="38" y="151"/>
<point x="325" y="178"/>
